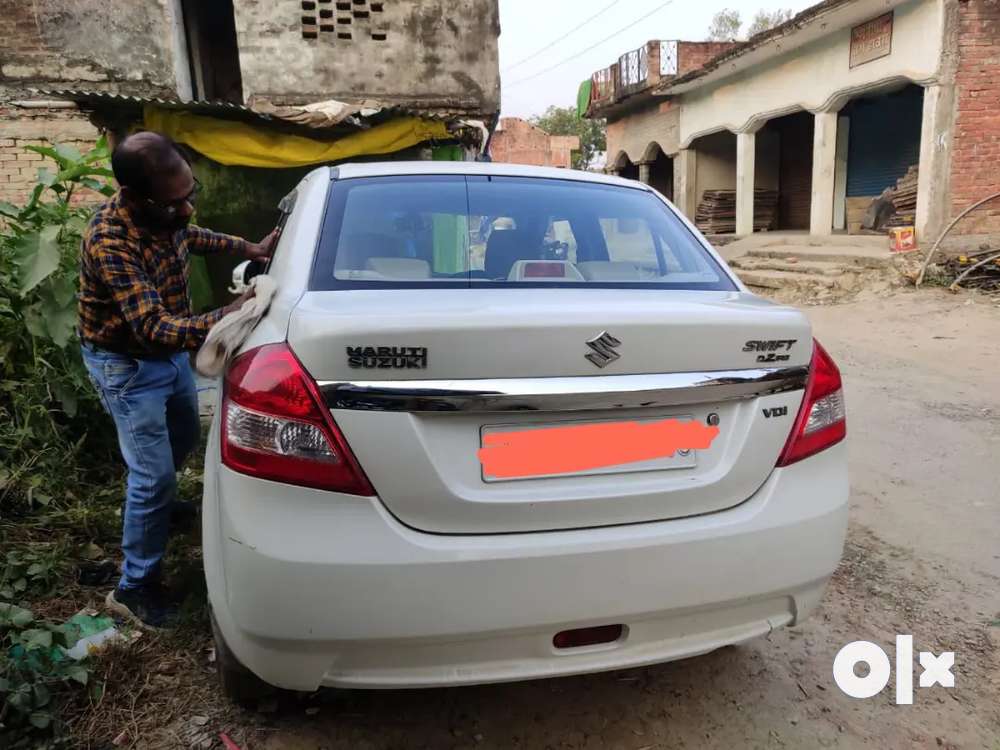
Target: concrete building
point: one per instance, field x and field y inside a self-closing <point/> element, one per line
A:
<point x="517" y="141"/>
<point x="827" y="110"/>
<point x="431" y="54"/>
<point x="259" y="92"/>
<point x="643" y="128"/>
<point x="322" y="69"/>
<point x="95" y="47"/>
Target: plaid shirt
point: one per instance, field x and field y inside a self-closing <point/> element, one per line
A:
<point x="134" y="296"/>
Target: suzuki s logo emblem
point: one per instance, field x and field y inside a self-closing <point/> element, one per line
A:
<point x="604" y="349"/>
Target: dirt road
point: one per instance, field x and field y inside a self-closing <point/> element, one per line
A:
<point x="923" y="388"/>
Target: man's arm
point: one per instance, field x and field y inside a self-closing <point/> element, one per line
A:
<point x="202" y="241"/>
<point x="140" y="302"/>
<point x="206" y="242"/>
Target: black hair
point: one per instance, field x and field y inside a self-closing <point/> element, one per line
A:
<point x="143" y="157"/>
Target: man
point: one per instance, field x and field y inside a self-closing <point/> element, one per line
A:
<point x="136" y="329"/>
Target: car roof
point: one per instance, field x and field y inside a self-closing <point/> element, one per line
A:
<point x="394" y="168"/>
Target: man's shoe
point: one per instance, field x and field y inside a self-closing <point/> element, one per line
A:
<point x="146" y="606"/>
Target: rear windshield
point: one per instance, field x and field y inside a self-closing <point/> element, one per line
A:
<point x="477" y="231"/>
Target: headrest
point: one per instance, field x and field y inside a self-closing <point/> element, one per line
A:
<point x="400" y="268"/>
<point x="504" y="247"/>
<point x="354" y="249"/>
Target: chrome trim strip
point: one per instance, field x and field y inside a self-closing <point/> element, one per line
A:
<point x="562" y="393"/>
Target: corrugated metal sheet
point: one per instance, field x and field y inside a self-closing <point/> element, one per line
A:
<point x="884" y="140"/>
<point x="82" y="96"/>
<point x="318" y="115"/>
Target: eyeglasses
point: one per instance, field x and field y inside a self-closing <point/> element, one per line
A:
<point x="170" y="208"/>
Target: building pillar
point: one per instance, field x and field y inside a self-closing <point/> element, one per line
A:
<point x="745" y="167"/>
<point x="840" y="174"/>
<point x="933" y="181"/>
<point x="686" y="182"/>
<point x="644" y="170"/>
<point x="824" y="173"/>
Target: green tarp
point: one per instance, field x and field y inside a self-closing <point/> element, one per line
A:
<point x="583" y="97"/>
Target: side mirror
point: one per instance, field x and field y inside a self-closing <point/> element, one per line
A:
<point x="242" y="274"/>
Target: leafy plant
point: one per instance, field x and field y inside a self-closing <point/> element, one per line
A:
<point x="34" y="668"/>
<point x="32" y="571"/>
<point x="47" y="403"/>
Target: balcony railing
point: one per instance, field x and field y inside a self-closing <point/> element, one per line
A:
<point x="651" y="65"/>
<point x="668" y="57"/>
<point x="633" y="71"/>
<point x="602" y="89"/>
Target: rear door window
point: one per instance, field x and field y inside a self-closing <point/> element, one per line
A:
<point x="446" y="230"/>
<point x="402" y="229"/>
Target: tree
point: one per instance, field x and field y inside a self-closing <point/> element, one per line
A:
<point x="726" y="24"/>
<point x="765" y="20"/>
<point x="565" y="121"/>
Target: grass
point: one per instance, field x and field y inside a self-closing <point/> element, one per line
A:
<point x="152" y="687"/>
<point x="149" y="688"/>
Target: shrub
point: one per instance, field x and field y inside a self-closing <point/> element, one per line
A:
<point x="47" y="404"/>
<point x="56" y="444"/>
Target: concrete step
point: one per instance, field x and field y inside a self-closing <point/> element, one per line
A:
<point x="877" y="242"/>
<point x="786" y="280"/>
<point x="810" y="266"/>
<point x="845" y="256"/>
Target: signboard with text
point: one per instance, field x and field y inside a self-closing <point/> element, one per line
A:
<point x="871" y="40"/>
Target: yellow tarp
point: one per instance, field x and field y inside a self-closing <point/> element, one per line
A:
<point x="239" y="143"/>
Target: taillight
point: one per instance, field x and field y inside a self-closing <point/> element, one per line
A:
<point x="275" y="426"/>
<point x="821" y="421"/>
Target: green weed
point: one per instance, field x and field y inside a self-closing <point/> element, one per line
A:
<point x="59" y="476"/>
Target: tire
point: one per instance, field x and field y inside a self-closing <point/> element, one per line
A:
<point x="239" y="684"/>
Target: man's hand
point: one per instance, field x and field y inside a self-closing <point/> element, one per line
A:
<point x="262" y="250"/>
<point x="237" y="303"/>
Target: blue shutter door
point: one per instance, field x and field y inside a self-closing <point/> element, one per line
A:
<point x="884" y="140"/>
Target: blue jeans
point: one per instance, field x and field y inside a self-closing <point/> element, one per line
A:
<point x="154" y="404"/>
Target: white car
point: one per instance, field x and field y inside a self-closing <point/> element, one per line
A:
<point x="505" y="422"/>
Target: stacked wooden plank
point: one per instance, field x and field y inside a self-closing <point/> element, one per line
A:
<point x="904" y="197"/>
<point x="716" y="212"/>
<point x="904" y="200"/>
<point x="765" y="210"/>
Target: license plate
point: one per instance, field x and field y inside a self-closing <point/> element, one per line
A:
<point x="589" y="447"/>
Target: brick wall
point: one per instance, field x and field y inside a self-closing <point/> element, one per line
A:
<point x="976" y="141"/>
<point x="519" y="142"/>
<point x="124" y="46"/>
<point x="20" y="127"/>
<point x="692" y="55"/>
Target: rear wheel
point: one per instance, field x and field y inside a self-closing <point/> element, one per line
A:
<point x="239" y="684"/>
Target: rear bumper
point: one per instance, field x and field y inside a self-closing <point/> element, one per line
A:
<point x="314" y="589"/>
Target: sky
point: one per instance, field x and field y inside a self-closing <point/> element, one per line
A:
<point x="529" y="26"/>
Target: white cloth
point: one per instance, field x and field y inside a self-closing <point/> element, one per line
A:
<point x="228" y="335"/>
